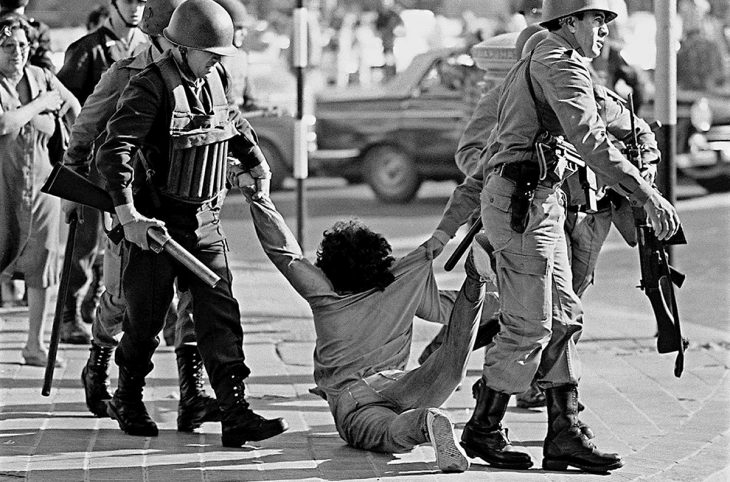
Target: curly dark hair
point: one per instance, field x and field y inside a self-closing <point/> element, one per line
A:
<point x="354" y="258"/>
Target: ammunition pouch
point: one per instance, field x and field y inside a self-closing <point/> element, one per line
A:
<point x="197" y="164"/>
<point x="199" y="135"/>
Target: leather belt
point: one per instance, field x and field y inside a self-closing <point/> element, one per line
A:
<point x="514" y="170"/>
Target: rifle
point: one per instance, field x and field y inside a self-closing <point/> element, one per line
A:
<point x="60" y="298"/>
<point x="66" y="184"/>
<point x="657" y="275"/>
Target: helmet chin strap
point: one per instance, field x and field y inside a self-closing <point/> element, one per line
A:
<point x="126" y="22"/>
<point x="184" y="55"/>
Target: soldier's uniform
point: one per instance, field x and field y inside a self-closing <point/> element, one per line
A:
<point x="165" y="159"/>
<point x="85" y="61"/>
<point x="189" y="204"/>
<point x="89" y="130"/>
<point x="540" y="314"/>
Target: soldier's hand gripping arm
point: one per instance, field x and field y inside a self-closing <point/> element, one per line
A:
<point x="257" y="179"/>
<point x="435" y="244"/>
<point x="246" y="150"/>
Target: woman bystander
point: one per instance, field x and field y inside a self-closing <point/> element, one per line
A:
<point x="29" y="220"/>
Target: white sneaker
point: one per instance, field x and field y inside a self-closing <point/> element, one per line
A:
<point x="450" y="457"/>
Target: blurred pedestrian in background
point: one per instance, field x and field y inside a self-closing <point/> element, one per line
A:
<point x="700" y="59"/>
<point x="386" y="23"/>
<point x="85" y="61"/>
<point x="29" y="99"/>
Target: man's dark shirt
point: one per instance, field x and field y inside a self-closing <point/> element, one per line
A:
<point x="89" y="57"/>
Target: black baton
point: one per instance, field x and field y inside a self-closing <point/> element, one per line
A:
<point x="62" y="293"/>
<point x="463" y="245"/>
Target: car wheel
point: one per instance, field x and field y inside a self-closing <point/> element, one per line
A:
<point x="391" y="174"/>
<point x="279" y="170"/>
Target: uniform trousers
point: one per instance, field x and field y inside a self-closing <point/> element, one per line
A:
<point x="107" y="325"/>
<point x="148" y="287"/>
<point x="541" y="317"/>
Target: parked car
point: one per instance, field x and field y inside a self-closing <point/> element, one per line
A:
<point x="703" y="138"/>
<point x="395" y="135"/>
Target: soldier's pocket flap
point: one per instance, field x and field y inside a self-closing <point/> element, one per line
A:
<point x="524" y="264"/>
<point x="499" y="201"/>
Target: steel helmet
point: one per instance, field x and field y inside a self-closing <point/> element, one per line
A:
<point x="237" y="11"/>
<point x="532" y="42"/>
<point x="526" y="34"/>
<point x="555" y="9"/>
<point x="201" y="25"/>
<point x="156" y="16"/>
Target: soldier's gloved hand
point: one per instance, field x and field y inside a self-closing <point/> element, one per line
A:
<point x="662" y="216"/>
<point x="235" y="169"/>
<point x="257" y="180"/>
<point x="435" y="244"/>
<point x="71" y="208"/>
<point x="261" y="175"/>
<point x="136" y="225"/>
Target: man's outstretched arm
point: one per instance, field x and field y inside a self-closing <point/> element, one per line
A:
<point x="282" y="248"/>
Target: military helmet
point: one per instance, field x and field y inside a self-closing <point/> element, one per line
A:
<point x="156" y="16"/>
<point x="201" y="25"/>
<point x="524" y="36"/>
<point x="237" y="11"/>
<point x="555" y="9"/>
<point x="532" y="42"/>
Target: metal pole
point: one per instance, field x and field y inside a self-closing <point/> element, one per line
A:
<point x="300" y="170"/>
<point x="665" y="100"/>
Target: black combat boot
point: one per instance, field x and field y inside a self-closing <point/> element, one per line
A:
<point x="240" y="423"/>
<point x="91" y="300"/>
<point x="483" y="435"/>
<point x="95" y="379"/>
<point x="565" y="443"/>
<point x="73" y="329"/>
<point x="195" y="405"/>
<point x="127" y="408"/>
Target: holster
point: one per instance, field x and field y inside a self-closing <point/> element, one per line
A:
<point x="526" y="179"/>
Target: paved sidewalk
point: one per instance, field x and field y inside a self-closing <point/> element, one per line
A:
<point x="665" y="428"/>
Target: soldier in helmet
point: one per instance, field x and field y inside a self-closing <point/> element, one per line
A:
<point x="84" y="62"/>
<point x="175" y="117"/>
<point x="523" y="213"/>
<point x="194" y="407"/>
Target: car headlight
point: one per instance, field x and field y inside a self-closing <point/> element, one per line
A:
<point x="700" y="115"/>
